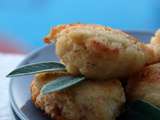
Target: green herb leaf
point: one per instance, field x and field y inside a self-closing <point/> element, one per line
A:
<point x="36" y="68"/>
<point x="141" y="110"/>
<point x="61" y="83"/>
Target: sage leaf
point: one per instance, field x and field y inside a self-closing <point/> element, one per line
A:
<point x="36" y="68"/>
<point x="141" y="110"/>
<point x="61" y="83"/>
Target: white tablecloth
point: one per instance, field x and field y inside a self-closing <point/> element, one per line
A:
<point x="7" y="63"/>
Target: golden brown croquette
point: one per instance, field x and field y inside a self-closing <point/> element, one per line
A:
<point x="146" y="85"/>
<point x="99" y="52"/>
<point x="89" y="100"/>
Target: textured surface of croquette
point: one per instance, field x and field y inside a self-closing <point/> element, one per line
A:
<point x="89" y="100"/>
<point x="155" y="44"/>
<point x="146" y="85"/>
<point x="99" y="52"/>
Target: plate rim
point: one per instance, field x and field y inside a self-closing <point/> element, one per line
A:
<point x="19" y="113"/>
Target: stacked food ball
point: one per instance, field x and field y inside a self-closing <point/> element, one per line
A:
<point x="104" y="56"/>
<point x="146" y="84"/>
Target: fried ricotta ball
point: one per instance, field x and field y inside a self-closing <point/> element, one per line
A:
<point x="99" y="52"/>
<point x="146" y="85"/>
<point x="155" y="44"/>
<point x="88" y="100"/>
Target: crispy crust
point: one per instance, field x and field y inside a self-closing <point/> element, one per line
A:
<point x="90" y="100"/>
<point x="156" y="39"/>
<point x="155" y="45"/>
<point x="56" y="30"/>
<point x="90" y="49"/>
<point x="146" y="85"/>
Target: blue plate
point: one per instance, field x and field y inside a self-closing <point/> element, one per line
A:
<point x="13" y="114"/>
<point x="20" y="95"/>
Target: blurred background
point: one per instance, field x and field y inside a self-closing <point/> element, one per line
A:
<point x="24" y="23"/>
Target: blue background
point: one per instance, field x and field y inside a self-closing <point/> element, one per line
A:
<point x="28" y="21"/>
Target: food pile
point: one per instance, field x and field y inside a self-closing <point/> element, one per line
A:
<point x="103" y="69"/>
